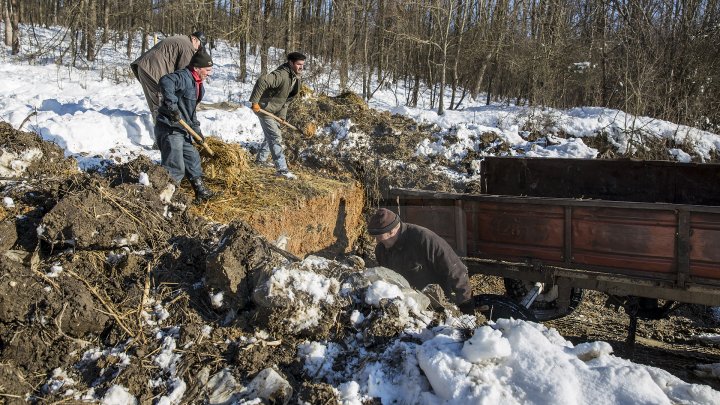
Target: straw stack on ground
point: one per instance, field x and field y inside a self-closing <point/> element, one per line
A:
<point x="311" y="213"/>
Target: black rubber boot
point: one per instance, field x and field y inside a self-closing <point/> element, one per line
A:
<point x="202" y="193"/>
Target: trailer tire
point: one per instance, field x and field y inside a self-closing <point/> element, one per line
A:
<point x="494" y="307"/>
<point x="545" y="307"/>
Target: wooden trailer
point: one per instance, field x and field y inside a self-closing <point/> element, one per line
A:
<point x="645" y="232"/>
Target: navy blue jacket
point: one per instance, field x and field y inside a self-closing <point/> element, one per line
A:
<point x="179" y="94"/>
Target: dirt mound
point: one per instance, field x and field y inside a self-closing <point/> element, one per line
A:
<point x="112" y="280"/>
<point x="376" y="148"/>
<point x="78" y="257"/>
<point x="28" y="157"/>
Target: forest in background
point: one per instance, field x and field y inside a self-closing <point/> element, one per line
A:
<point x="657" y="58"/>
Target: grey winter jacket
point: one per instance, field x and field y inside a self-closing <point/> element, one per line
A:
<point x="180" y="94"/>
<point x="423" y="258"/>
<point x="275" y="90"/>
<point x="167" y="56"/>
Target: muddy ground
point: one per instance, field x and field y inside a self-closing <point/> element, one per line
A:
<point x="94" y="267"/>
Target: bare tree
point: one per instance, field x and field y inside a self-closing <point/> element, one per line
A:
<point x="90" y="29"/>
<point x="650" y="57"/>
<point x="343" y="27"/>
<point x="289" y="13"/>
<point x="12" y="25"/>
<point x="461" y="19"/>
<point x="8" y="22"/>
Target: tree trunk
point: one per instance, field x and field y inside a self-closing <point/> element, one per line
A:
<point x="106" y="22"/>
<point x="244" y="15"/>
<point x="344" y="24"/>
<point x="289" y="12"/>
<point x="8" y="23"/>
<point x="130" y="30"/>
<point x="460" y="24"/>
<point x="91" y="29"/>
<point x="15" y="22"/>
<point x="366" y="56"/>
<point x="415" y="91"/>
<point x="265" y="36"/>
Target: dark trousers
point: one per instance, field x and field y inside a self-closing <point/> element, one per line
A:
<point x="177" y="153"/>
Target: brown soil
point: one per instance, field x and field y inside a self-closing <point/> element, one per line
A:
<point x="389" y="137"/>
<point x="122" y="250"/>
<point x="86" y="257"/>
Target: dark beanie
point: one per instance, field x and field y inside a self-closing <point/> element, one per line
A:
<point x="295" y="56"/>
<point x="201" y="59"/>
<point x="383" y="221"/>
<point x="201" y="37"/>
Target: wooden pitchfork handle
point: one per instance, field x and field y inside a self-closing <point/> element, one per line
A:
<point x="197" y="137"/>
<point x="280" y="120"/>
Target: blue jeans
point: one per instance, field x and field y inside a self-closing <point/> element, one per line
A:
<point x="272" y="145"/>
<point x="177" y="154"/>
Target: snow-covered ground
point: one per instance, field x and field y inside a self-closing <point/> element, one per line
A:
<point x="100" y="113"/>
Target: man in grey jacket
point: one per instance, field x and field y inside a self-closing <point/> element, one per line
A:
<point x="167" y="56"/>
<point x="273" y="93"/>
<point x="421" y="256"/>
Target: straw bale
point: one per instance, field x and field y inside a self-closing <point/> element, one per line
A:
<point x="312" y="212"/>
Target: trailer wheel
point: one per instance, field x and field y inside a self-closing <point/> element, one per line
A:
<point x="545" y="305"/>
<point x="495" y="307"/>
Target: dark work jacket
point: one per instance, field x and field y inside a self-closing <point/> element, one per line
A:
<point x="179" y="93"/>
<point x="423" y="258"/>
<point x="275" y="90"/>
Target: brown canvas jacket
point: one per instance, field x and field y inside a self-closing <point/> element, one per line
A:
<point x="170" y="54"/>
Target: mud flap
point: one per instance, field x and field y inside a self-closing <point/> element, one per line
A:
<point x="495" y="307"/>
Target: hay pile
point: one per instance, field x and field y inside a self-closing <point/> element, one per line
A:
<point x="310" y="214"/>
<point x="248" y="189"/>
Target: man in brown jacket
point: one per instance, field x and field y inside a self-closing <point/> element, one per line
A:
<point x="170" y="54"/>
<point x="421" y="256"/>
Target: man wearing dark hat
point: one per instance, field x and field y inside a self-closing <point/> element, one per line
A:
<point x="421" y="256"/>
<point x="273" y="93"/>
<point x="167" y="56"/>
<point x="182" y="91"/>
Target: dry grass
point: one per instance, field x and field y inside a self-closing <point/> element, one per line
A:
<point x="251" y="190"/>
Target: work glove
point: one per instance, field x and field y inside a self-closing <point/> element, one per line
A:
<point x="202" y="137"/>
<point x="175" y="114"/>
<point x="171" y="111"/>
<point x="256" y="107"/>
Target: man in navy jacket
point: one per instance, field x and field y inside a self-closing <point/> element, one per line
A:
<point x="182" y="90"/>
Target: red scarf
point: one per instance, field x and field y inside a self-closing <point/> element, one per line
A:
<point x="198" y="82"/>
